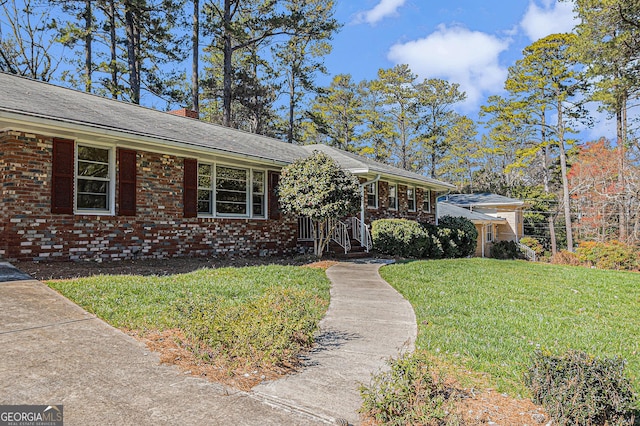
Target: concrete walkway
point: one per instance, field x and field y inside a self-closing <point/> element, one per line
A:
<point x="367" y="322"/>
<point x="53" y="352"/>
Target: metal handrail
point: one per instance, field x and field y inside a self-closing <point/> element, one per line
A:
<point x="528" y="252"/>
<point x="340" y="234"/>
<point x="356" y="229"/>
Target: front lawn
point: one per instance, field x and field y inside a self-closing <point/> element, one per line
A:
<point x="236" y="319"/>
<point x="488" y="316"/>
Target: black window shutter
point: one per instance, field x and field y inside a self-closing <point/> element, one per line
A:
<point x="274" y="204"/>
<point x="62" y="176"/>
<point x="190" y="189"/>
<point x="126" y="182"/>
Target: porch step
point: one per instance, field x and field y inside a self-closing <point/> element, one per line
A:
<point x="356" y="252"/>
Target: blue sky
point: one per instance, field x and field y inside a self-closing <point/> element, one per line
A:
<point x="470" y="42"/>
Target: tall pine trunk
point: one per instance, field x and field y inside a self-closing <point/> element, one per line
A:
<point x="195" y="40"/>
<point x="566" y="199"/>
<point x="88" y="40"/>
<point x="133" y="39"/>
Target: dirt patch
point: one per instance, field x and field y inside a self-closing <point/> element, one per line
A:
<point x="175" y="349"/>
<point x="323" y="264"/>
<point x="490" y="407"/>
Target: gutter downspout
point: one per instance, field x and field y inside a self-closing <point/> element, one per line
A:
<point x="362" y="225"/>
<point x="484" y="237"/>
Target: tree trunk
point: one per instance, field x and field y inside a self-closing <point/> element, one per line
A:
<point x="88" y="40"/>
<point x="113" y="65"/>
<point x="133" y="38"/>
<point x="292" y="106"/>
<point x="546" y="178"/>
<point x="195" y="41"/>
<point x="566" y="199"/>
<point x="227" y="50"/>
<point x="621" y="130"/>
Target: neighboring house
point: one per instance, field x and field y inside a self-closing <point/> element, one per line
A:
<point x="497" y="218"/>
<point x="85" y="177"/>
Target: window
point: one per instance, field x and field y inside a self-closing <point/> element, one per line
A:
<point x="426" y="201"/>
<point x="230" y="191"/>
<point x="372" y="195"/>
<point x="258" y="194"/>
<point x="205" y="188"/>
<point x="411" y="199"/>
<point x="490" y="233"/>
<point x="393" y="197"/>
<point x="94" y="172"/>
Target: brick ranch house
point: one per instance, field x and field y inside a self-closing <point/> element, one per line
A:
<point x="88" y="178"/>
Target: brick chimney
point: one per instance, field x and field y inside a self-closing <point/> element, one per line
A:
<point x="184" y="112"/>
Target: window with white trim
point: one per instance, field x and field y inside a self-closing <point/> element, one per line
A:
<point x="490" y="233"/>
<point x="372" y="195"/>
<point x="258" y="181"/>
<point x="426" y="201"/>
<point x="94" y="179"/>
<point x="393" y="196"/>
<point x="228" y="191"/>
<point x="411" y="199"/>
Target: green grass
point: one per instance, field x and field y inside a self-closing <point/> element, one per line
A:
<point x="488" y="316"/>
<point x="150" y="303"/>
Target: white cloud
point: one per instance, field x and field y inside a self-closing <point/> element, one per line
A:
<point x="379" y="12"/>
<point x="457" y="55"/>
<point x="550" y="18"/>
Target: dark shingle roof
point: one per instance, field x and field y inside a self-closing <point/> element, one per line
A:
<point x="446" y="209"/>
<point x="35" y="100"/>
<point x="488" y="199"/>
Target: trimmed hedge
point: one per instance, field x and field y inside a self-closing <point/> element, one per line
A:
<point x="403" y="237"/>
<point x="455" y="237"/>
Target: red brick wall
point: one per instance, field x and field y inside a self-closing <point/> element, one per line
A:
<point x="28" y="229"/>
<point x="383" y="211"/>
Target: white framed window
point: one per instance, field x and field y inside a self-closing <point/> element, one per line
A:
<point x="257" y="191"/>
<point x="411" y="199"/>
<point x="372" y="195"/>
<point x="393" y="196"/>
<point x="426" y="201"/>
<point x="205" y="188"/>
<point x="231" y="191"/>
<point x="490" y="233"/>
<point x="228" y="191"/>
<point x="94" y="179"/>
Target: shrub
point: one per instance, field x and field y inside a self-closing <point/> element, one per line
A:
<point x="564" y="257"/>
<point x="461" y="239"/>
<point x="611" y="255"/>
<point x="406" y="394"/>
<point x="272" y="329"/>
<point x="580" y="389"/>
<point x="401" y="237"/>
<point x="506" y="250"/>
<point x="534" y="245"/>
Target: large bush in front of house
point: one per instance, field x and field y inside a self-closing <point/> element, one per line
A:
<point x="453" y="237"/>
<point x="458" y="236"/>
<point x="404" y="238"/>
<point x="316" y="187"/>
<point x="506" y="250"/>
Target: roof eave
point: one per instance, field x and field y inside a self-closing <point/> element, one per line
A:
<point x="45" y="124"/>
